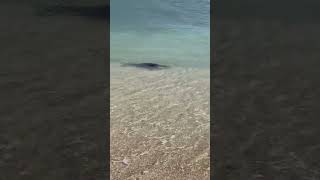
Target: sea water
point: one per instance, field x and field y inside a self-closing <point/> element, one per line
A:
<point x="169" y="32"/>
<point x="160" y="116"/>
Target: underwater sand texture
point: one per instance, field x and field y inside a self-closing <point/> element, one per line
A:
<point x="159" y="123"/>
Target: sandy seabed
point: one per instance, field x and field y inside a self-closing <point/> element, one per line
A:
<point x="159" y="123"/>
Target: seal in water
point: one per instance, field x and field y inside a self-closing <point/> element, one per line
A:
<point x="149" y="66"/>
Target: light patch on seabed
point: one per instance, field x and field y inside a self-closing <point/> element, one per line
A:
<point x="160" y="123"/>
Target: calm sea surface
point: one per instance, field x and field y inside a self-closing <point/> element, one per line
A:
<point x="171" y="32"/>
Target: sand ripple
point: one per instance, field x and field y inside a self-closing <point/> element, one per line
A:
<point x="159" y="123"/>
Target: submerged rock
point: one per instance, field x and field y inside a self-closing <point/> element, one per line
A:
<point x="149" y="66"/>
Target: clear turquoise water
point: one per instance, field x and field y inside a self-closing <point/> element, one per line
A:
<point x="171" y="32"/>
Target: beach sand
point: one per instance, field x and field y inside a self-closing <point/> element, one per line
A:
<point x="159" y="123"/>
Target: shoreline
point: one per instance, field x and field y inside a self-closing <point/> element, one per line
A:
<point x="159" y="123"/>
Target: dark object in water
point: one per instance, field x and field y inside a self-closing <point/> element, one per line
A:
<point x="149" y="66"/>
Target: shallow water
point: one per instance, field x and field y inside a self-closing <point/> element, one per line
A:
<point x="171" y="32"/>
<point x="160" y="123"/>
<point x="160" y="118"/>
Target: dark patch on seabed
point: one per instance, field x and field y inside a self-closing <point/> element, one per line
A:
<point x="149" y="66"/>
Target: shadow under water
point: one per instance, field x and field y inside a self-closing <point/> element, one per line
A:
<point x="149" y="66"/>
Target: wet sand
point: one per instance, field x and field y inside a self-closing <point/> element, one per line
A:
<point x="159" y="123"/>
